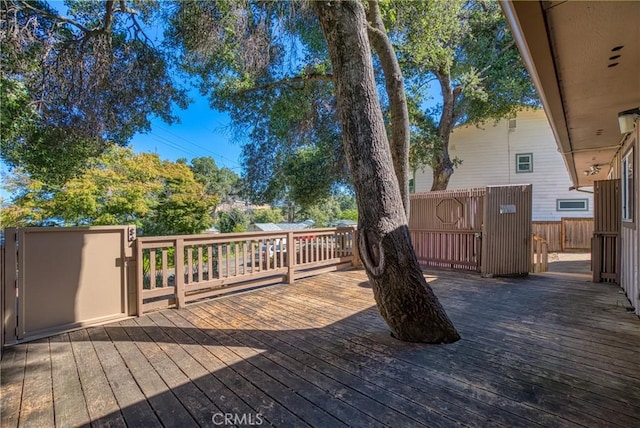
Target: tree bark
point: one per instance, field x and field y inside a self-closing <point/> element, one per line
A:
<point x="397" y="99"/>
<point x="442" y="165"/>
<point x="404" y="299"/>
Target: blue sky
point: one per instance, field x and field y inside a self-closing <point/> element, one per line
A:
<point x="201" y="132"/>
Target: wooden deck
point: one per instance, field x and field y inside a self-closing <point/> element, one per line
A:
<point x="549" y="350"/>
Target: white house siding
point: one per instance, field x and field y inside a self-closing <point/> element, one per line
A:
<point x="488" y="157"/>
<point x="630" y="233"/>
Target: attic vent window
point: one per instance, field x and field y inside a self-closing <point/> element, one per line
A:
<point x="512" y="124"/>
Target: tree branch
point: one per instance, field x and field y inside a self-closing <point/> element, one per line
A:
<point x="289" y="81"/>
<point x="56" y="17"/>
<point x="107" y="22"/>
<point x="394" y="85"/>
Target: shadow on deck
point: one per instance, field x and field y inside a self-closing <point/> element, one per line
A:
<point x="544" y="350"/>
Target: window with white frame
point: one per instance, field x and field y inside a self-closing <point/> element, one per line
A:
<point x="572" y="205"/>
<point x="627" y="189"/>
<point x="524" y="162"/>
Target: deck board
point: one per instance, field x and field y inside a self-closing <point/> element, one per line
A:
<point x="519" y="384"/>
<point x="36" y="409"/>
<point x="382" y="381"/>
<point x="101" y="403"/>
<point x="69" y="403"/>
<point x="12" y="372"/>
<point x="547" y="350"/>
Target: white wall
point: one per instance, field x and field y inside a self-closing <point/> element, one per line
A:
<point x="488" y="157"/>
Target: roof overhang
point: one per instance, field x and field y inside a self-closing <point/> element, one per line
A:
<point x="584" y="77"/>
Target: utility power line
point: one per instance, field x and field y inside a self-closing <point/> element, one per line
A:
<point x="198" y="145"/>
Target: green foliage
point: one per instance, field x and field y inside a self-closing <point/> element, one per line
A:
<point x="268" y="215"/>
<point x="350" y="214"/>
<point x="339" y="206"/>
<point x="183" y="206"/>
<point x="75" y="85"/>
<point x="270" y="72"/>
<point x="119" y="187"/>
<point x="467" y="47"/>
<point x="222" y="182"/>
<point x="234" y="220"/>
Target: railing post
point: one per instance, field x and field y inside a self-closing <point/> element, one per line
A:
<point x="533" y="254"/>
<point x="179" y="272"/>
<point x="139" y="278"/>
<point x="356" y="262"/>
<point x="291" y="258"/>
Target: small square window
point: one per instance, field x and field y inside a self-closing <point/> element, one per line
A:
<point x="524" y="162"/>
<point x="572" y="204"/>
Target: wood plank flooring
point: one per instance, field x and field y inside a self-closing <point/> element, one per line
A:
<point x="547" y="350"/>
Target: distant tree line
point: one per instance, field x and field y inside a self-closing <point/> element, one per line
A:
<point x="121" y="187"/>
<point x="159" y="196"/>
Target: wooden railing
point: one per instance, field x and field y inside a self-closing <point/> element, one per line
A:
<point x="456" y="249"/>
<point x="539" y="254"/>
<point x="175" y="270"/>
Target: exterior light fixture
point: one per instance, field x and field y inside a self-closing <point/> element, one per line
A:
<point x="593" y="170"/>
<point x="627" y="120"/>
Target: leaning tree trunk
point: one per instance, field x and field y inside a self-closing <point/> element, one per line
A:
<point x="405" y="300"/>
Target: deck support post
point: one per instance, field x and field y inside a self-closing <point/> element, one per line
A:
<point x="291" y="258"/>
<point x="356" y="262"/>
<point x="179" y="272"/>
<point x="139" y="278"/>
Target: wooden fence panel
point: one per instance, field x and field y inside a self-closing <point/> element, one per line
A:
<point x="446" y="228"/>
<point x="448" y="249"/>
<point x="569" y="234"/>
<point x="550" y="231"/>
<point x="447" y="210"/>
<point x="577" y="233"/>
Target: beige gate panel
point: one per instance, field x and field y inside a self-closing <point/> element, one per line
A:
<point x="71" y="277"/>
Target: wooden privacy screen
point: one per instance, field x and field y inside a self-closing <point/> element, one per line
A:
<point x="605" y="247"/>
<point x="446" y="226"/>
<point x="506" y="243"/>
<point x="486" y="229"/>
